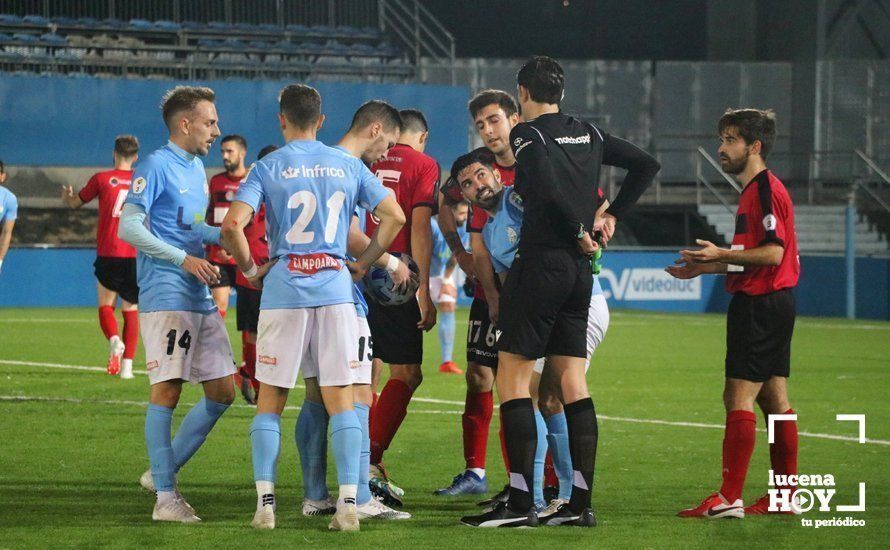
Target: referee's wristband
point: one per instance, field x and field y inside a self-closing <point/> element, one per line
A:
<point x="251" y="272"/>
<point x="392" y="264"/>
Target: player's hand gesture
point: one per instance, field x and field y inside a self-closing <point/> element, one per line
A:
<point x="203" y="270"/>
<point x="67" y="193"/>
<point x="427" y="311"/>
<point x="606" y="225"/>
<point x="257" y="280"/>
<point x="402" y="276"/>
<point x="684" y="270"/>
<point x="709" y="253"/>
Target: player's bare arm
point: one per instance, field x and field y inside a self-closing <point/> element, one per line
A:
<point x="768" y="254"/>
<point x="70" y="198"/>
<point x="398" y="270"/>
<point x="485" y="274"/>
<point x="422" y="249"/>
<point x="448" y="225"/>
<point x="392" y="219"/>
<point x="235" y="243"/>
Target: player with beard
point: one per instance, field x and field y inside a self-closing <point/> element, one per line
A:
<point x="762" y="268"/>
<point x="223" y="187"/>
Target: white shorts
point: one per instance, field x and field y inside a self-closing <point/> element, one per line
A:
<point x="291" y="339"/>
<point x="361" y="375"/>
<point x="597" y="325"/>
<point x="185" y="345"/>
<point x="436" y="284"/>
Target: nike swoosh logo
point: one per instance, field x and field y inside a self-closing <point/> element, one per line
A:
<point x="712" y="512"/>
<point x="183" y="190"/>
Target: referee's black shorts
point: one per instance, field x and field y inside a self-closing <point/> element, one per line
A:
<point x="758" y="335"/>
<point x="544" y="304"/>
<point x="397" y="340"/>
<point x="118" y="275"/>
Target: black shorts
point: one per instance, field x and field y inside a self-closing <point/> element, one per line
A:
<point x="482" y="336"/>
<point x="226" y="275"/>
<point x="397" y="340"/>
<point x="118" y="275"/>
<point x="247" y="308"/>
<point x="544" y="304"/>
<point x="758" y="335"/>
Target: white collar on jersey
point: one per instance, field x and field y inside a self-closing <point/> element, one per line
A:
<point x="180" y="152"/>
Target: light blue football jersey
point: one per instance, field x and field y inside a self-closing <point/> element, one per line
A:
<point x="441" y="252"/>
<point x="9" y="205"/>
<point x="310" y="191"/>
<point x="501" y="234"/>
<point x="171" y="186"/>
<point x="361" y="305"/>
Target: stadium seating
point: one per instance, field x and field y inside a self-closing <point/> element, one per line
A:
<point x="819" y="228"/>
<point x="33" y="43"/>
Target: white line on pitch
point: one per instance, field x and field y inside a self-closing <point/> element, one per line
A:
<point x="427" y="400"/>
<point x="75" y="401"/>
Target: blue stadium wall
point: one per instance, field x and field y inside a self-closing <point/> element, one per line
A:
<point x="65" y="121"/>
<point x="636" y="280"/>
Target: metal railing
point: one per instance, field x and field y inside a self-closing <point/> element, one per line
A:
<point x="884" y="179"/>
<point x="701" y="180"/>
<point x="419" y="31"/>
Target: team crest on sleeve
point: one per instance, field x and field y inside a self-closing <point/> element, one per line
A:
<point x="139" y="185"/>
<point x="769" y="222"/>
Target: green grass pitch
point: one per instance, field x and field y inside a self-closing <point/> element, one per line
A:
<point x="73" y="446"/>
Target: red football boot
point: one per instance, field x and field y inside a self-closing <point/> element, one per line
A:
<point x="714" y="507"/>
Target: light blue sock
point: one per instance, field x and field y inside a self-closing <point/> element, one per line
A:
<point x="346" y="440"/>
<point x="265" y="442"/>
<point x="158" y="421"/>
<point x="194" y="429"/>
<point x="558" y="438"/>
<point x="540" y="457"/>
<point x="446" y="334"/>
<point x="364" y="490"/>
<point x="311" y="434"/>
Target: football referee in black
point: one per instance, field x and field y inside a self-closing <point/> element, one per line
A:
<point x="545" y="299"/>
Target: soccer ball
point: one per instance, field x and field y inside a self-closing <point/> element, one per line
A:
<point x="379" y="284"/>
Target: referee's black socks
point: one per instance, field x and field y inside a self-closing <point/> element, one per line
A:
<point x="583" y="436"/>
<point x="521" y="436"/>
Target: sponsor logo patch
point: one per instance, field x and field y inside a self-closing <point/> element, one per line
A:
<point x="267" y="360"/>
<point x="572" y="140"/>
<point x="151" y="365"/>
<point x="310" y="264"/>
<point x="354" y="364"/>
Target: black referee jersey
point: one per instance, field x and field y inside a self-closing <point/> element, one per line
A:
<point x="558" y="176"/>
